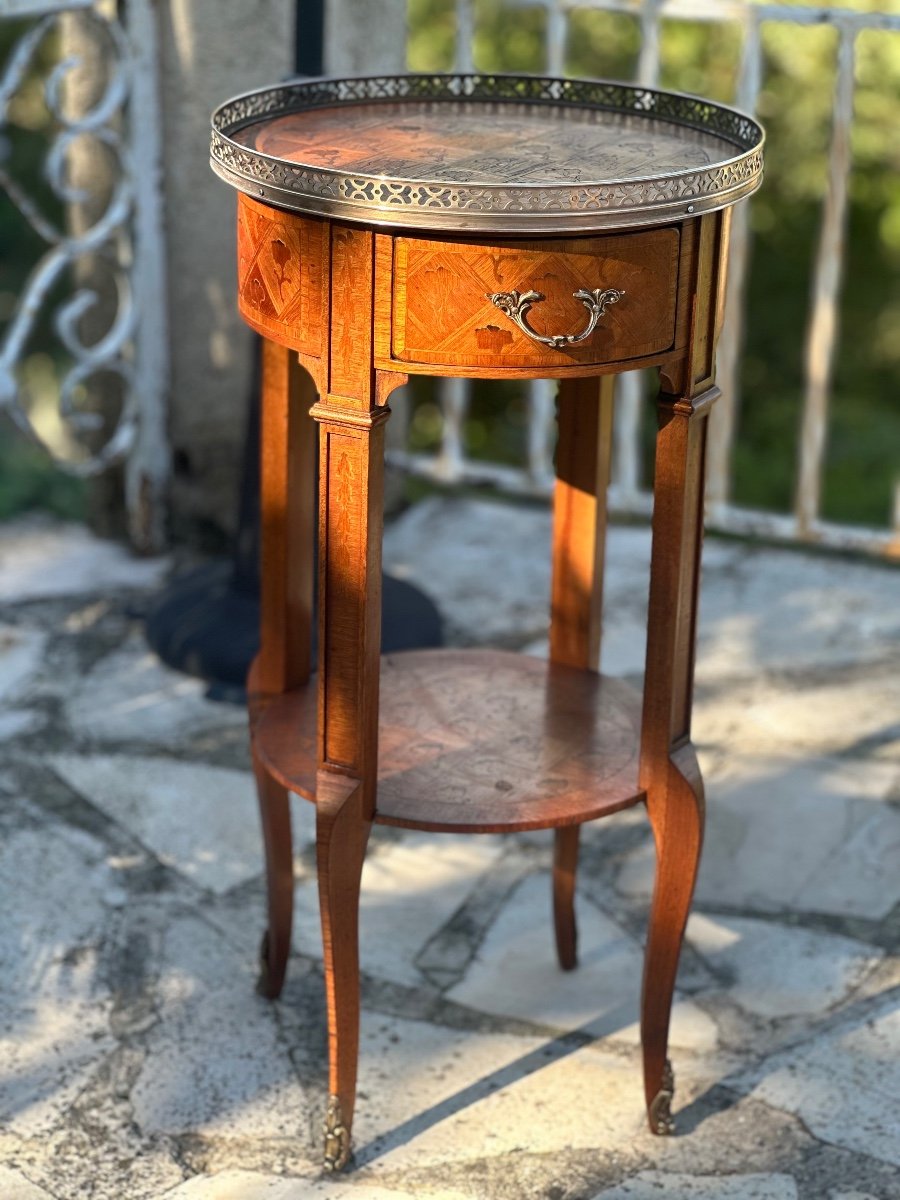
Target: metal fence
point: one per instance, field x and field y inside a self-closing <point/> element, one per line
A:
<point x="126" y="120"/>
<point x="125" y="239"/>
<point x="628" y="495"/>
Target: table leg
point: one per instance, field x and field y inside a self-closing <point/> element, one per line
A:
<point x="584" y="414"/>
<point x="350" y="528"/>
<point x="669" y="770"/>
<point x="275" y="817"/>
<point x="351" y="420"/>
<point x="287" y="516"/>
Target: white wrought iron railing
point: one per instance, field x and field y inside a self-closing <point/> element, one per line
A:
<point x="451" y="463"/>
<point x="125" y="121"/>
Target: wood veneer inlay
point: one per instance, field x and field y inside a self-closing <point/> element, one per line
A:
<point x="479" y="740"/>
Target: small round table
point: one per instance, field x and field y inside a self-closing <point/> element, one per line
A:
<point x="494" y="227"/>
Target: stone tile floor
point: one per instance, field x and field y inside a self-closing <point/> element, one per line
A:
<point x="136" y="1060"/>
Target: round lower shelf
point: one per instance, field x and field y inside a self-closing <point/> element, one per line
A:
<point x="478" y="741"/>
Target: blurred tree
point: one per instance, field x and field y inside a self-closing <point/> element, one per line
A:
<point x="795" y="104"/>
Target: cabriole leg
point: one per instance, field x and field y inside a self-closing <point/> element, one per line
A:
<point x="351" y="420"/>
<point x="342" y="832"/>
<point x="669" y="771"/>
<point x="350" y="474"/>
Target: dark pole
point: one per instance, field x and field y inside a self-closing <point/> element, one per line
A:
<point x="309" y="56"/>
<point x="206" y="621"/>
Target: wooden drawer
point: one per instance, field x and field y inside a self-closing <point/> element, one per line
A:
<point x="442" y="312"/>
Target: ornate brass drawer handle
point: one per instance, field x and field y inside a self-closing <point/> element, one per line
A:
<point x="516" y="305"/>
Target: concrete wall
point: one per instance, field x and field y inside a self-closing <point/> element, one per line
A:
<point x="213" y="49"/>
<point x="210" y="50"/>
<point x="363" y="37"/>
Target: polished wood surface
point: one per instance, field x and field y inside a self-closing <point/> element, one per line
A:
<point x="469" y="740"/>
<point x="669" y="770"/>
<point x="351" y="416"/>
<point x="583" y="457"/>
<point x="431" y="312"/>
<point x="275" y="819"/>
<point x="288" y="444"/>
<point x="455" y="141"/>
<point x="282" y="274"/>
<point x="287" y="523"/>
<point x="476" y="741"/>
<point x="442" y="313"/>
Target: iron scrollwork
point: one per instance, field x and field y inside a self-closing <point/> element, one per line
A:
<point x="106" y="250"/>
<point x="109" y="353"/>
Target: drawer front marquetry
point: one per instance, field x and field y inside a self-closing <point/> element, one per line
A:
<point x="532" y="304"/>
<point x="282" y="274"/>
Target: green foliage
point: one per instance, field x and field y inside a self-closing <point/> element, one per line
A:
<point x="23" y="149"/>
<point x="863" y="450"/>
<point x="496" y="426"/>
<point x="28" y="479"/>
<point x="795" y="105"/>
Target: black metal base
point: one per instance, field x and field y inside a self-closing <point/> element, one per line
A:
<point x="203" y="624"/>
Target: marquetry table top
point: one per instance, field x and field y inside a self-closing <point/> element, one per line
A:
<point x="486" y="152"/>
